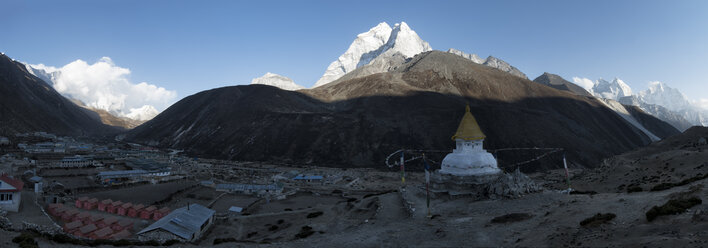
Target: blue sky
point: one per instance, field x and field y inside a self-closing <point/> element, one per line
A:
<point x="190" y="46"/>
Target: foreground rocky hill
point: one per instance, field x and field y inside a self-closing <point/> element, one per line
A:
<point x="358" y="122"/>
<point x="675" y="161"/>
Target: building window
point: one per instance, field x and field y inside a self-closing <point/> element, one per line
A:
<point x="6" y="197"/>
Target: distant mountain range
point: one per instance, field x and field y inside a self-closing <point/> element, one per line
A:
<point x="660" y="100"/>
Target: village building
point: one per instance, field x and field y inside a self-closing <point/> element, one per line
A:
<point x="307" y="178"/>
<point x="123" y="209"/>
<point x="85" y="231"/>
<point x="56" y="209"/>
<point x="80" y="201"/>
<point x="94" y="219"/>
<point x="135" y="210"/>
<point x="84" y="217"/>
<point x="69" y="214"/>
<point x="121" y="235"/>
<point x="75" y="161"/>
<point x="103" y="204"/>
<point x="122" y="225"/>
<point x="71" y="227"/>
<point x="90" y="203"/>
<point x="147" y="212"/>
<point x="469" y="158"/>
<point x="141" y="170"/>
<point x="103" y="233"/>
<point x="107" y="222"/>
<point x="161" y="213"/>
<point x="10" y="193"/>
<point x="4" y="141"/>
<point x="257" y="189"/>
<point x="186" y="224"/>
<point x="113" y="208"/>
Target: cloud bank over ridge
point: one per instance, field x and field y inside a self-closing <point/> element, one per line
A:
<point x="104" y="85"/>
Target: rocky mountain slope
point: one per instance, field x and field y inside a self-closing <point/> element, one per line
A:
<point x="27" y="103"/>
<point x="490" y="61"/>
<point x="557" y="82"/>
<point x="358" y="122"/>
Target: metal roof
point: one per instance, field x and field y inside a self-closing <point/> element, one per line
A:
<point x="301" y="177"/>
<point x="122" y="173"/>
<point x="147" y="164"/>
<point x="235" y="209"/>
<point x="183" y="222"/>
<point x="244" y="187"/>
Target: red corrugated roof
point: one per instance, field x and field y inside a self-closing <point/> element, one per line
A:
<point x="18" y="184"/>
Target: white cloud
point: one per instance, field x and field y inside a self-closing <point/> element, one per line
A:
<point x="104" y="85"/>
<point x="702" y="103"/>
<point x="586" y="83"/>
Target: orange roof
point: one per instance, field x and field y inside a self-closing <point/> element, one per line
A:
<point x="468" y="129"/>
<point x="121" y="235"/>
<point x="125" y="222"/>
<point x="87" y="229"/>
<point x="75" y="224"/>
<point x="103" y="232"/>
<point x="16" y="183"/>
<point x="109" y="220"/>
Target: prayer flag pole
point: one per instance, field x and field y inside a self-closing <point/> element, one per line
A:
<point x="567" y="175"/>
<point x="403" y="169"/>
<point x="427" y="184"/>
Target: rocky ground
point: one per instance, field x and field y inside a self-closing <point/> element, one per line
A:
<point x="376" y="210"/>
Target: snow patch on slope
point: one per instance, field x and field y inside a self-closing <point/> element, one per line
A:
<point x="622" y="111"/>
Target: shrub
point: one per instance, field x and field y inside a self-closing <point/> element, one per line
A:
<point x="672" y="207"/>
<point x="224" y="240"/>
<point x="25" y="240"/>
<point x="305" y="232"/>
<point x="598" y="219"/>
<point x="170" y="242"/>
<point x="314" y="214"/>
<point x="513" y="217"/>
<point x="635" y="188"/>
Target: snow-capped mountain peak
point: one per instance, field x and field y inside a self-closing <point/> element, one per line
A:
<point x="406" y="41"/>
<point x="611" y="90"/>
<point x="661" y="94"/>
<point x="144" y="113"/>
<point x="379" y="41"/>
<point x="360" y="50"/>
<point x="276" y="80"/>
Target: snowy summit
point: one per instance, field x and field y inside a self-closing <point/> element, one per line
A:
<point x="379" y="41"/>
<point x="276" y="80"/>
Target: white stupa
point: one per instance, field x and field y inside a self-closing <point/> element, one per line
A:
<point x="469" y="159"/>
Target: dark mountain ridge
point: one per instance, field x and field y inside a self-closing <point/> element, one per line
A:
<point x="358" y="122"/>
